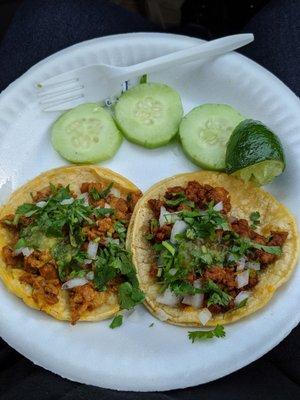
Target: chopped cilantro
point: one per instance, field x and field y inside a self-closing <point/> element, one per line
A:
<point x="268" y="249"/>
<point x="20" y="243"/>
<point x="240" y="247"/>
<point x="203" y="224"/>
<point x="116" y="322"/>
<point x="121" y="230"/>
<point x="112" y="261"/>
<point x="129" y="295"/>
<point x="183" y="288"/>
<point x="153" y="224"/>
<point x="151" y="325"/>
<point x="216" y="296"/>
<point x="26" y="209"/>
<point x="101" y="212"/>
<point x="180" y="198"/>
<point x="255" y="219"/>
<point x="97" y="195"/>
<point x="218" y="332"/>
<point x="169" y="247"/>
<point x="77" y="274"/>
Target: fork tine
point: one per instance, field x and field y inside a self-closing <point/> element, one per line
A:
<point x="48" y="95"/>
<point x="55" y="104"/>
<point x="66" y="77"/>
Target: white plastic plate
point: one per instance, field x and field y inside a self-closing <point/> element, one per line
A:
<point x="136" y="356"/>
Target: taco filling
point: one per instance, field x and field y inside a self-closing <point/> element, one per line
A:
<point x="74" y="242"/>
<point x="205" y="258"/>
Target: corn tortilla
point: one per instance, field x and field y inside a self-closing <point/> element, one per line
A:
<point x="73" y="176"/>
<point x="245" y="198"/>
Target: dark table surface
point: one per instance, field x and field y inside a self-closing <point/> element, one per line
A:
<point x="41" y="28"/>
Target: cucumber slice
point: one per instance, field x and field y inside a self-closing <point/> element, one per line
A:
<point x="86" y="134"/>
<point x="149" y="114"/>
<point x="205" y="131"/>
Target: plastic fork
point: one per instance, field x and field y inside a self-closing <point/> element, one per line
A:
<point x="97" y="83"/>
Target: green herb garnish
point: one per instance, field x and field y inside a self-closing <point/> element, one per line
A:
<point x="97" y="195"/>
<point x="129" y="295"/>
<point x="183" y="288"/>
<point x="121" y="230"/>
<point x="143" y="79"/>
<point x="216" y="296"/>
<point x="101" y="212"/>
<point x="218" y="332"/>
<point x="268" y="249"/>
<point x="169" y="247"/>
<point x="116" y="322"/>
<point x="255" y="219"/>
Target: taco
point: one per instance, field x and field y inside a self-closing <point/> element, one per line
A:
<point x="210" y="249"/>
<point x="62" y="243"/>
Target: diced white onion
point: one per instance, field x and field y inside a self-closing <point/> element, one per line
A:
<point x="85" y="197"/>
<point x="197" y="284"/>
<point x="75" y="282"/>
<point x="195" y="300"/>
<point x="168" y="298"/>
<point x="218" y="206"/>
<point x="86" y="262"/>
<point x="90" y="275"/>
<point x="106" y="205"/>
<point x="230" y="258"/>
<point x="171" y="218"/>
<point x="242" y="279"/>
<point x="162" y="220"/>
<point x="26" y="251"/>
<point x="166" y="217"/>
<point x="188" y="299"/>
<point x="172" y="271"/>
<point x="126" y="313"/>
<point x="92" y="249"/>
<point x="115" y="192"/>
<point x="178" y="227"/>
<point x="66" y="202"/>
<point x="161" y="315"/>
<point x="253" y="265"/>
<point x="241" y="297"/>
<point x="159" y="272"/>
<point x="41" y="204"/>
<point x="241" y="264"/>
<point x="204" y="316"/>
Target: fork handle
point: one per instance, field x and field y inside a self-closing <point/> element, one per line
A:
<point x="202" y="51"/>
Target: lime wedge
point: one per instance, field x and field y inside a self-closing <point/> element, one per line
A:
<point x="254" y="153"/>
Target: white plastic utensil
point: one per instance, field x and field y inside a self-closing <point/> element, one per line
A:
<point x="100" y="82"/>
